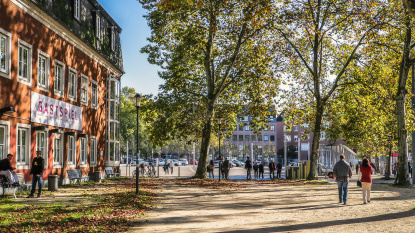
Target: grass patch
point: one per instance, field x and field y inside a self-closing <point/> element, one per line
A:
<point x="97" y="208"/>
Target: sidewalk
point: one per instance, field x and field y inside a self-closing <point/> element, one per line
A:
<point x="260" y="207"/>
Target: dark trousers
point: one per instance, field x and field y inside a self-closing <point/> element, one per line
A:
<point x="279" y="174"/>
<point x="271" y="174"/>
<point x="248" y="174"/>
<point x="38" y="180"/>
<point x="261" y="173"/>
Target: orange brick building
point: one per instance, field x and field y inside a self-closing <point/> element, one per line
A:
<point x="60" y="70"/>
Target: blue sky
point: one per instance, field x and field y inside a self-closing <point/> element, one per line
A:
<point x="139" y="74"/>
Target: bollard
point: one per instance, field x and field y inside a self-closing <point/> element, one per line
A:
<point x="53" y="182"/>
<point x="97" y="176"/>
<point x="179" y="171"/>
<point x="158" y="171"/>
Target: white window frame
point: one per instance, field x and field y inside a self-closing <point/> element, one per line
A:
<point x="8" y="45"/>
<point x="27" y="128"/>
<point x="246" y="128"/>
<point x="71" y="164"/>
<point x="84" y="101"/>
<point x="295" y="148"/>
<point x="46" y="57"/>
<point x="6" y="148"/>
<point x="24" y="45"/>
<point x="322" y="135"/>
<point x="295" y="138"/>
<point x="266" y="138"/>
<point x="45" y="147"/>
<point x="113" y="39"/>
<point x="60" y="155"/>
<point x="94" y="99"/>
<point x="75" y="86"/>
<point x="272" y="127"/>
<point x="284" y="128"/>
<point x="60" y="92"/>
<point x="77" y="9"/>
<point x="93" y="152"/>
<point x="296" y="128"/>
<point x="97" y="25"/>
<point x="83" y="161"/>
<point x="287" y="138"/>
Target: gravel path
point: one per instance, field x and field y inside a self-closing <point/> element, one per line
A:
<point x="279" y="208"/>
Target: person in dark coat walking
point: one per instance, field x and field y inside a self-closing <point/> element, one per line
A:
<point x="37" y="172"/>
<point x="271" y="166"/>
<point x="248" y="167"/>
<point x="261" y="170"/>
<point x="279" y="168"/>
<point x="343" y="173"/>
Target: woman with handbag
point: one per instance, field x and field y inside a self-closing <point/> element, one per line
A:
<point x="366" y="170"/>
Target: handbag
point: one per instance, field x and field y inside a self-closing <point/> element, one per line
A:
<point x="359" y="183"/>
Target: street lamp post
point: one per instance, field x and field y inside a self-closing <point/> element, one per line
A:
<point x="219" y="119"/>
<point x="137" y="99"/>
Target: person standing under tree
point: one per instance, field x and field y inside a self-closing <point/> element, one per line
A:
<point x="261" y="170"/>
<point x="171" y="166"/>
<point x="226" y="168"/>
<point x="256" y="169"/>
<point x="342" y="172"/>
<point x="279" y="168"/>
<point x="271" y="166"/>
<point x="37" y="172"/>
<point x="248" y="166"/>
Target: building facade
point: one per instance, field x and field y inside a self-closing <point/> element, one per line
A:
<point x="60" y="70"/>
<point x="277" y="139"/>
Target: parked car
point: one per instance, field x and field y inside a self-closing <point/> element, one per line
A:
<point x="327" y="170"/>
<point x="184" y="162"/>
<point x="196" y="162"/>
<point x="216" y="163"/>
<point x="177" y="162"/>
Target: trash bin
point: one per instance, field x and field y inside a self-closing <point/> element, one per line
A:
<point x="53" y="182"/>
<point x="97" y="176"/>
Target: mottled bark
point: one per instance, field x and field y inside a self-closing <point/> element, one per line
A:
<point x="400" y="107"/>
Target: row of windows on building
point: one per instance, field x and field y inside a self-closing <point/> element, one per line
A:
<point x="98" y="23"/>
<point x="24" y="72"/>
<point x="23" y="146"/>
<point x="253" y="138"/>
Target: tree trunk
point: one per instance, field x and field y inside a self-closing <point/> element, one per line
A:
<point x="400" y="105"/>
<point x="315" y="148"/>
<point x="388" y="164"/>
<point x="204" y="147"/>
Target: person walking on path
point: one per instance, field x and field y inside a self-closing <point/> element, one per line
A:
<point x="248" y="167"/>
<point x="271" y="166"/>
<point x="357" y="168"/>
<point x="7" y="169"/>
<point x="342" y="172"/>
<point x="366" y="170"/>
<point x="225" y="166"/>
<point x="211" y="167"/>
<point x="166" y="168"/>
<point x="261" y="170"/>
<point x="37" y="172"/>
<point x="171" y="166"/>
<point x="256" y="169"/>
<point x="279" y="168"/>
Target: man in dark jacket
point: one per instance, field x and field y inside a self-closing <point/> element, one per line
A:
<point x="261" y="170"/>
<point x="255" y="167"/>
<point x="248" y="166"/>
<point x="7" y="170"/>
<point x="271" y="166"/>
<point x="342" y="172"/>
<point x="37" y="172"/>
<point x="279" y="168"/>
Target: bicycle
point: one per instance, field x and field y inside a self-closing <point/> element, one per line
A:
<point x="151" y="171"/>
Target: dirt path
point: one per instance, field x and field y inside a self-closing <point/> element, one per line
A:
<point x="279" y="208"/>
